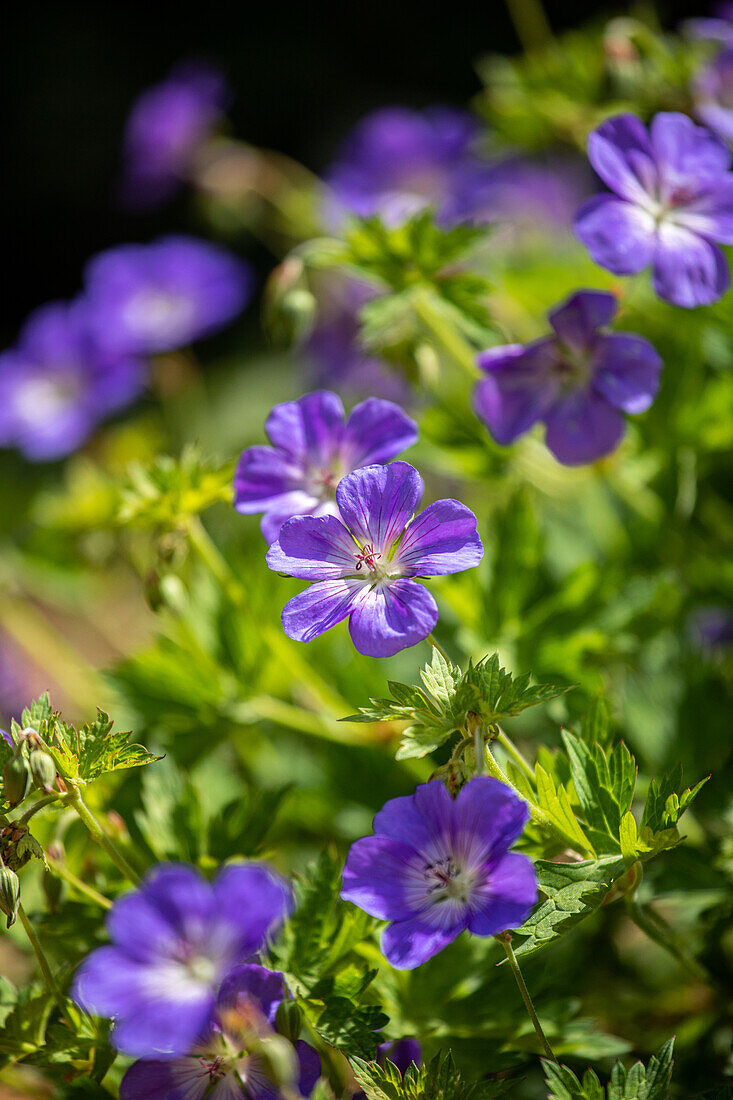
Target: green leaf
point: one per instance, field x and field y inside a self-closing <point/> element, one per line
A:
<point x="440" y="1080"/>
<point x="169" y="490"/>
<point x="556" y="804"/>
<point x="595" y="724"/>
<point x="638" y="1083"/>
<point x="350" y="1027"/>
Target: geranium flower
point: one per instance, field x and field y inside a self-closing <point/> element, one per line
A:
<point x="673" y="201"/>
<point x="161" y="296"/>
<point x="58" y="383"/>
<point x="713" y="90"/>
<point x="313" y="447"/>
<point x="174" y="939"/>
<point x="579" y="381"/>
<point x="436" y="867"/>
<point x="227" y="1062"/>
<point x="166" y="126"/>
<point x="366" y="562"/>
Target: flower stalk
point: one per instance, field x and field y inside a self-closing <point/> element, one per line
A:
<point x="43" y="963"/>
<point x="505" y="940"/>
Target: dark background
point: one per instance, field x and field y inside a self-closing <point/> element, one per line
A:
<point x="301" y="74"/>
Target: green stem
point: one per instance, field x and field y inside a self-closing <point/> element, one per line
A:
<point x="431" y="640"/>
<point x="42" y="960"/>
<point x="538" y="815"/>
<point x="63" y="872"/>
<point x="42" y="802"/>
<point x="652" y="926"/>
<point x="447" y="337"/>
<point x="530" y="22"/>
<point x="505" y="940"/>
<point x="100" y="835"/>
<point x="507" y="744"/>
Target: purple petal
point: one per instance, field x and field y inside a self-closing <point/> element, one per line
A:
<point x="401" y="1053"/>
<point x="375" y="875"/>
<point x="688" y="271"/>
<point x="254" y="901"/>
<point x="519" y="389"/>
<point x="409" y="943"/>
<point x="180" y="894"/>
<point x="583" y="427"/>
<point x="108" y="982"/>
<point x="442" y="539"/>
<point x="391" y="617"/>
<point x="577" y="320"/>
<point x="158" y="1027"/>
<point x="621" y="153"/>
<point x="376" y="431"/>
<point x="619" y="235"/>
<point x="320" y="607"/>
<point x="310" y="428"/>
<point x="177" y="1079"/>
<point x="313" y="548"/>
<point x="290" y="506"/>
<point x="264" y="475"/>
<point x="421" y="820"/>
<point x="488" y="817"/>
<point x="266" y="987"/>
<point x="687" y="155"/>
<point x="376" y="502"/>
<point x="508" y="897"/>
<point x="627" y="371"/>
<point x="138" y="927"/>
<point x="310" y="1066"/>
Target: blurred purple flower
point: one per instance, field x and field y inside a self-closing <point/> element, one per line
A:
<point x="534" y="194"/>
<point x="711" y="629"/>
<point x="713" y="91"/>
<point x="7" y="738"/>
<point x="436" y="867"/>
<point x="717" y="27"/>
<point x="579" y="381"/>
<point x="57" y="383"/>
<point x="165" y="127"/>
<point x="162" y="296"/>
<point x="174" y="939"/>
<point x="364" y="563"/>
<point x="226" y="1056"/>
<point x="673" y="201"/>
<point x="398" y="161"/>
<point x="314" y="446"/>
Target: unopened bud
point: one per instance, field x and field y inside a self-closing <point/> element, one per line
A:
<point x="290" y="307"/>
<point x="280" y="1061"/>
<point x="289" y="1020"/>
<point x="42" y="769"/>
<point x="16" y="779"/>
<point x="9" y="894"/>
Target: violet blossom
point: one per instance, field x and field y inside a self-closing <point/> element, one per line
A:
<point x="672" y="204"/>
<point x="314" y="446"/>
<point x="366" y="562"/>
<point x="58" y="383"/>
<point x="579" y="381"/>
<point x="174" y="940"/>
<point x="717" y="27"/>
<point x="157" y="297"/>
<point x="166" y="127"/>
<point x="437" y="866"/>
<point x="713" y="91"/>
<point x="226" y="1062"/>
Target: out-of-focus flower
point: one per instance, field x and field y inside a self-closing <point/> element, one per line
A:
<point x="58" y="382"/>
<point x="166" y="127"/>
<point x="673" y="201"/>
<point x="314" y="446"/>
<point x="717" y="27"/>
<point x="711" y="629"/>
<point x="174" y="939"/>
<point x="579" y="381"/>
<point x="398" y="161"/>
<point x="230" y="1060"/>
<point x="436" y="867"/>
<point x="364" y="563"/>
<point x="162" y="296"/>
<point x="713" y="91"/>
<point x="535" y="195"/>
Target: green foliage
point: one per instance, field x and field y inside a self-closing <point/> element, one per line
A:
<point x="439" y="1080"/>
<point x="168" y="490"/>
<point x="651" y="1082"/>
<point x="447" y="696"/>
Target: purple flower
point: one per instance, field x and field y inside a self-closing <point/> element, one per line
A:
<point x="713" y="90"/>
<point x="166" y="127"/>
<point x="673" y="200"/>
<point x="226" y="1057"/>
<point x="313" y="448"/>
<point x="174" y="939"/>
<point x="579" y="381"/>
<point x="364" y="563"/>
<point x="711" y="629"/>
<point x="535" y="194"/>
<point x="57" y="383"/>
<point x="401" y="1053"/>
<point x="436" y="867"/>
<point x="398" y="161"/>
<point x="161" y="296"/>
<point x="718" y="27"/>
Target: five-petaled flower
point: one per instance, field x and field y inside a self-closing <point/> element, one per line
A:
<point x="313" y="448"/>
<point x="365" y="562"/>
<point x="174" y="940"/>
<point x="436" y="867"/>
<point x="673" y="201"/>
<point x="229" y="1060"/>
<point x="579" y="381"/>
<point x="161" y="296"/>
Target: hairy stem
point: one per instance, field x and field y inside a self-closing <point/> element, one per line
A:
<point x="101" y="837"/>
<point x="431" y="640"/>
<point x="509" y="746"/>
<point x="444" y="334"/>
<point x="505" y="940"/>
<point x="77" y="884"/>
<point x="39" y="805"/>
<point x="43" y="964"/>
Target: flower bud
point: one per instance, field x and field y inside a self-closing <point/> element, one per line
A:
<point x="9" y="894"/>
<point x="16" y="779"/>
<point x="42" y="769"/>
<point x="279" y="1060"/>
<point x="289" y="1020"/>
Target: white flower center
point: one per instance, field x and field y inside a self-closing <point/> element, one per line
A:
<point x="158" y="313"/>
<point x="448" y="881"/>
<point x="44" y="397"/>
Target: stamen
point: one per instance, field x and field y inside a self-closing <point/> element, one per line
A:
<point x="367" y="557"/>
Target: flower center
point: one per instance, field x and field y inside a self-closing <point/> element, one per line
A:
<point x="448" y="881"/>
<point x="214" y="1069"/>
<point x="158" y="313"/>
<point x="368" y="557"/>
<point x="44" y="397"/>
